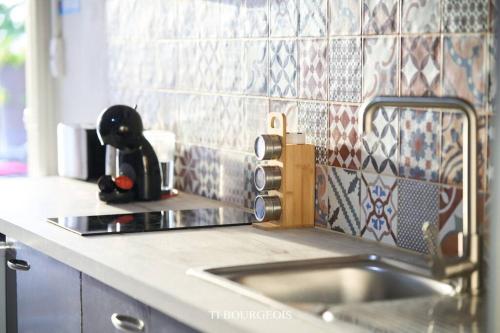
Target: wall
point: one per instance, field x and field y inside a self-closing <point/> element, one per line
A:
<point x="211" y="70"/>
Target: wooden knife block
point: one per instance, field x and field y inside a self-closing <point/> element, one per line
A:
<point x="298" y="166"/>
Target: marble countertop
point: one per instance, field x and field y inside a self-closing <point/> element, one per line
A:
<point x="151" y="267"/>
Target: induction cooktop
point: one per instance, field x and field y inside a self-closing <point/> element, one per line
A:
<point x="154" y="221"/>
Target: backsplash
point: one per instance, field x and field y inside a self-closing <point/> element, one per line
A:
<point x="210" y="70"/>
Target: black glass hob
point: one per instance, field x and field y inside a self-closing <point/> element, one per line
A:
<point x="154" y="221"/>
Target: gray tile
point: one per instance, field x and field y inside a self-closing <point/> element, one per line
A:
<point x="283" y="71"/>
<point x="284" y="18"/>
<point x="345" y="70"/>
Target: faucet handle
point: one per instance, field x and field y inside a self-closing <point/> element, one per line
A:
<point x="431" y="237"/>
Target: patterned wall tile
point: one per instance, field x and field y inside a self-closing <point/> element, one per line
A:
<point x="421" y="16"/>
<point x="250" y="190"/>
<point x="291" y="111"/>
<point x="284" y="18"/>
<point x="490" y="167"/>
<point x="465" y="15"/>
<point x="165" y="18"/>
<point x="168" y="113"/>
<point x="231" y="51"/>
<point x="313" y="121"/>
<point x="197" y="170"/>
<point x="492" y="77"/>
<point x="231" y="18"/>
<point x="256" y="67"/>
<point x="344" y="146"/>
<point x="313" y="69"/>
<point x="283" y="71"/>
<point x="379" y="202"/>
<point x="337" y="199"/>
<point x="464" y="69"/>
<point x="312" y="18"/>
<point x="419" y="144"/>
<point x="451" y="171"/>
<point x="379" y="151"/>
<point x="257" y="20"/>
<point x="234" y="184"/>
<point x="421" y="66"/>
<point x="450" y="218"/>
<point x="417" y="203"/>
<point x="344" y="17"/>
<point x="167" y="60"/>
<point x="345" y="70"/>
<point x="209" y="65"/>
<point x="380" y="17"/>
<point x="380" y="66"/>
<point x="231" y="115"/>
<point x="210" y="14"/>
<point x="187" y="73"/>
<point x="186" y="26"/>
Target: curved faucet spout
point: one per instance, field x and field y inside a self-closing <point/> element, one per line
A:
<point x="469" y="240"/>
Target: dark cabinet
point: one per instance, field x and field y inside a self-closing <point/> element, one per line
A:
<point x="105" y="309"/>
<point x="47" y="293"/>
<point x="45" y="296"/>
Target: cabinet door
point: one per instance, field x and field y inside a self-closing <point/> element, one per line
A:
<point x="100" y="302"/>
<point x="48" y="294"/>
<point x="160" y="323"/>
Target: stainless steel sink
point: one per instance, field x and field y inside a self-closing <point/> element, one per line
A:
<point x="327" y="282"/>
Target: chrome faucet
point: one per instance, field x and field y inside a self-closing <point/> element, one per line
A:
<point x="466" y="266"/>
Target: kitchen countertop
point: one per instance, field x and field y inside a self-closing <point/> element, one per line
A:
<point x="151" y="267"/>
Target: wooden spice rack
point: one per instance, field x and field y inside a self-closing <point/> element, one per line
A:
<point x="297" y="163"/>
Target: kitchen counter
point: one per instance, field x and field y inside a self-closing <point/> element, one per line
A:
<point x="151" y="267"/>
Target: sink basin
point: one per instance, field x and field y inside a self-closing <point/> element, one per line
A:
<point x="332" y="281"/>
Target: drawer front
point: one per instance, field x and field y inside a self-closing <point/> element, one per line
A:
<point x="160" y="323"/>
<point x="100" y="302"/>
<point x="48" y="293"/>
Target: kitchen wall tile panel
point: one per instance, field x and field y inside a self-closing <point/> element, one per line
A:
<point x="379" y="204"/>
<point x="419" y="144"/>
<point x="313" y="69"/>
<point x="345" y="18"/>
<point x="284" y="18"/>
<point x="465" y="15"/>
<point x="379" y="150"/>
<point x="421" y="16"/>
<point x="283" y="70"/>
<point x="380" y="17"/>
<point x="345" y="70"/>
<point x="312" y="18"/>
<point x="344" y="149"/>
<point x="464" y="68"/>
<point x="256" y="67"/>
<point x="257" y="19"/>
<point x="211" y="70"/>
<point x="313" y="121"/>
<point x="421" y="66"/>
<point x="380" y="66"/>
<point x="338" y="197"/>
<point x="417" y="203"/>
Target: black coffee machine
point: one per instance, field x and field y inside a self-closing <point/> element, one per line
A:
<point x="120" y="126"/>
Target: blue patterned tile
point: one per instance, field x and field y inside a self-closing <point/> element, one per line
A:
<point x="257" y="20"/>
<point x="379" y="204"/>
<point x="419" y="146"/>
<point x="284" y="18"/>
<point x="379" y="152"/>
<point x="313" y="121"/>
<point x="345" y="18"/>
<point x="337" y="199"/>
<point x="418" y="203"/>
<point x="283" y="71"/>
<point x="256" y="67"/>
<point x="345" y="70"/>
<point x="312" y="18"/>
